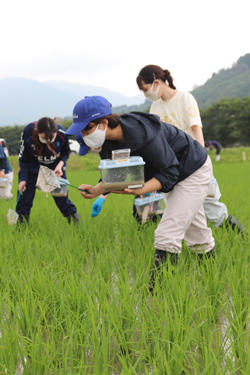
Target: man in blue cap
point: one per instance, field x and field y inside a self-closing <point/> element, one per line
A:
<point x="175" y="163"/>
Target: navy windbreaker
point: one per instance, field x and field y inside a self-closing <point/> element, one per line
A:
<point x="29" y="162"/>
<point x="170" y="154"/>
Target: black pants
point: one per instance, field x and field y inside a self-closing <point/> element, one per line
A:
<point x="25" y="201"/>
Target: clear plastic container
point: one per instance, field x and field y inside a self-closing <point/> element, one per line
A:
<point x="214" y="190"/>
<point x="121" y="174"/>
<point x="121" y="154"/>
<point x="154" y="204"/>
<point x="3" y="182"/>
<point x="61" y="191"/>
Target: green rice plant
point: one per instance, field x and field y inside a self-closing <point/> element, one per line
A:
<point x="75" y="299"/>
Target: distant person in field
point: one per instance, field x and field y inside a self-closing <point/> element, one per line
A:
<point x="180" y="109"/>
<point x="214" y="145"/>
<point x="5" y="173"/>
<point x="174" y="163"/>
<point x="42" y="143"/>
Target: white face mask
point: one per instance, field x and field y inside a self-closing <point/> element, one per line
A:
<point x="42" y="140"/>
<point x="152" y="95"/>
<point x="45" y="141"/>
<point x="95" y="139"/>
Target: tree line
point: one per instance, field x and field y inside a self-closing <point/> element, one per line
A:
<point x="227" y="121"/>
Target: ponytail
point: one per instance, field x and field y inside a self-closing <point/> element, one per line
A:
<point x="151" y="72"/>
<point x="169" y="79"/>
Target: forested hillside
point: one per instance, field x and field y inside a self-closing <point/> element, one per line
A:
<point x="227" y="83"/>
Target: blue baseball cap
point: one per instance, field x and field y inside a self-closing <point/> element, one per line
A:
<point x="86" y="110"/>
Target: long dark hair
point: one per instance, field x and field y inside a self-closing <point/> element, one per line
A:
<point x="151" y="72"/>
<point x="47" y="126"/>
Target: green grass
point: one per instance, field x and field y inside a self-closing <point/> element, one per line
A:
<point x="232" y="155"/>
<point x="75" y="300"/>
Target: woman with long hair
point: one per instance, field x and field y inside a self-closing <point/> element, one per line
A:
<point x="42" y="143"/>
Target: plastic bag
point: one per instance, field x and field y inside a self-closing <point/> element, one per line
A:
<point x="47" y="180"/>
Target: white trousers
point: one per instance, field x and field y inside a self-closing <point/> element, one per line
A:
<point x="184" y="217"/>
<point x="5" y="193"/>
<point x="215" y="211"/>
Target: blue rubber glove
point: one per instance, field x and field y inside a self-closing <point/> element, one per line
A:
<point x="97" y="206"/>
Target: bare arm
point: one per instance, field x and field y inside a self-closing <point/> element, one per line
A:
<point x="198" y="134"/>
<point x="93" y="191"/>
<point x="151" y="185"/>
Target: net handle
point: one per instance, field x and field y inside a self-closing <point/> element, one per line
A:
<point x="19" y="193"/>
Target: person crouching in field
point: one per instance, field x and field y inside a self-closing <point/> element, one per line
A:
<point x="42" y="143"/>
<point x="5" y="172"/>
<point x="175" y="163"/>
<point x="217" y="146"/>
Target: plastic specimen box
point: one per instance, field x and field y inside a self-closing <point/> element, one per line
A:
<point x="154" y="203"/>
<point x="122" y="173"/>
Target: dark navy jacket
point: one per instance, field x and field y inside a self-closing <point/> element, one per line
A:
<point x="29" y="162"/>
<point x="170" y="154"/>
<point x="4" y="161"/>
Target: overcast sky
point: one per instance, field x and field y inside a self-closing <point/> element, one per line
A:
<point x="106" y="42"/>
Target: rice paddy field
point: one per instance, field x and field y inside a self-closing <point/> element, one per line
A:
<point x="75" y="299"/>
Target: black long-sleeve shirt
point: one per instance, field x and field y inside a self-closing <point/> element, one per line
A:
<point x="170" y="154"/>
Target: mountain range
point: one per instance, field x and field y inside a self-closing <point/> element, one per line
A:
<point x="24" y="100"/>
<point x="227" y="83"/>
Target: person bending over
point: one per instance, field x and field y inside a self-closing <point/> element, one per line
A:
<point x="42" y="143"/>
